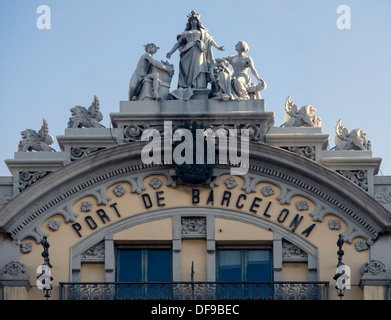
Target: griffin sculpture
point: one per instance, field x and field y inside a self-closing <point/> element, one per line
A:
<point x="88" y="118"/>
<point x="303" y="117"/>
<point x="354" y="140"/>
<point x="38" y="141"/>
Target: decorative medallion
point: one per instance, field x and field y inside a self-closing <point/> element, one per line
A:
<point x="374" y="267"/>
<point x="15" y="268"/>
<point x="291" y="252"/>
<point x="193" y="226"/>
<point x="96" y="252"/>
<point x="194" y="174"/>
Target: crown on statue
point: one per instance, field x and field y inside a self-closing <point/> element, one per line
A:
<point x="193" y="14"/>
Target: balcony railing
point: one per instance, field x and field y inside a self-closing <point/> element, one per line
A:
<point x="194" y="291"/>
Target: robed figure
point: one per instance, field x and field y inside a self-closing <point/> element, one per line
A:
<point x="196" y="57"/>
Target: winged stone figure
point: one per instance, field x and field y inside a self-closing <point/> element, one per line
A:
<point x="38" y="141"/>
<point x="88" y="118"/>
<point x="354" y="140"/>
<point x="303" y="117"/>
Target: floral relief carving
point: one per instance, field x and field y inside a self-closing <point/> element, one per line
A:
<point x="230" y="183"/>
<point x="267" y="191"/>
<point x="334" y="224"/>
<point x="359" y="177"/>
<point x="302" y="205"/>
<point x="26" y="247"/>
<point x="86" y="206"/>
<point x="119" y="191"/>
<point x="361" y="245"/>
<point x="155" y="183"/>
<point x="54" y="224"/>
<point x="306" y="152"/>
<point x="193" y="226"/>
<point x="27" y="178"/>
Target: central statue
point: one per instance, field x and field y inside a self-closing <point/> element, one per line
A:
<point x="196" y="57"/>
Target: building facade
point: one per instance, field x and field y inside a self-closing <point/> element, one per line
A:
<point x="125" y="212"/>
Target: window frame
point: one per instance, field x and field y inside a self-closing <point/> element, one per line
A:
<point x="244" y="249"/>
<point x="144" y="248"/>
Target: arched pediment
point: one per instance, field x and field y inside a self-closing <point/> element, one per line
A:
<point x="93" y="175"/>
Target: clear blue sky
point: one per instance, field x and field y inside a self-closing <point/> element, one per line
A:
<point x="94" y="45"/>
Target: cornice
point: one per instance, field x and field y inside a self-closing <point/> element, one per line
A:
<point x="69" y="182"/>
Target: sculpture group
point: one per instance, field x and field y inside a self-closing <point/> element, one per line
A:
<point x="223" y="78"/>
<point x="197" y="69"/>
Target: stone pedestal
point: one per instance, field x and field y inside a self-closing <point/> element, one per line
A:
<point x="356" y="165"/>
<point x="136" y="116"/>
<point x="14" y="278"/>
<point x="305" y="141"/>
<point x="29" y="167"/>
<point x="80" y="142"/>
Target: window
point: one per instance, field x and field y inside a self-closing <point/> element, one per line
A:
<point x="248" y="265"/>
<point x="144" y="265"/>
<point x="243" y="269"/>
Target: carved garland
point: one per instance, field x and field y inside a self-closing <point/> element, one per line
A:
<point x="257" y="131"/>
<point x="81" y="152"/>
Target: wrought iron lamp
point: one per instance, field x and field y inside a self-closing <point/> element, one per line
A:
<point x="341" y="276"/>
<point x="44" y="279"/>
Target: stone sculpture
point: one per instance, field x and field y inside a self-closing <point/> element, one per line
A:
<point x="236" y="85"/>
<point x="151" y="79"/>
<point x="81" y="117"/>
<point x="196" y="56"/>
<point x="303" y="117"/>
<point x="38" y="141"/>
<point x="354" y="140"/>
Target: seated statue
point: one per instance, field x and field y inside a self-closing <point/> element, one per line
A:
<point x="236" y="84"/>
<point x="152" y="79"/>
